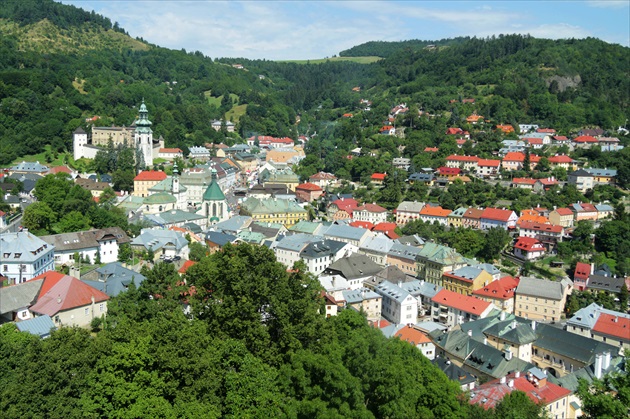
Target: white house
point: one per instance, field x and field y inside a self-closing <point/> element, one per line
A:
<point x="23" y="256"/>
<point x="88" y="244"/>
<point x="370" y="213"/>
<point x="399" y="306"/>
<point x="451" y="308"/>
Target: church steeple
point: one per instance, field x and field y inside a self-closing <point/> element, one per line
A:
<point x="175" y="179"/>
<point x="214" y="202"/>
<point x="144" y="135"/>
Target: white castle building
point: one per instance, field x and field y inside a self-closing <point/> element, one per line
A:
<point x="138" y="135"/>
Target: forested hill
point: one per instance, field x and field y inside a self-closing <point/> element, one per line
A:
<point x="386" y="49"/>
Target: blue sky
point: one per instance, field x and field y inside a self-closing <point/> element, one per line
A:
<point x="280" y="30"/>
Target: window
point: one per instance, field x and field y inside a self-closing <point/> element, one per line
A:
<point x="5" y="268"/>
<point x="87" y="311"/>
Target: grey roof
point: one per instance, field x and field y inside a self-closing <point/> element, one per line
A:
<point x="541" y="288"/>
<point x="430" y="326"/>
<point x="410" y="206"/>
<point x="488" y="267"/>
<point x="377" y="244"/>
<point x="422" y="288"/>
<point x="321" y="248"/>
<point x="115" y="278"/>
<point x="357" y="296"/>
<point x="604" y="207"/>
<point x="580" y="173"/>
<point x="192" y="227"/>
<point x="354" y="266"/>
<point x="157" y="239"/>
<point x="39" y="326"/>
<point x="512" y="331"/>
<point x="570" y="345"/>
<point x="233" y="225"/>
<point x="269" y="230"/>
<point x="345" y="232"/>
<point x="453" y="372"/>
<point x="296" y="242"/>
<point x="483" y="358"/>
<point x="421" y="177"/>
<point x="391" y="273"/>
<point x="393" y="291"/>
<point x="173" y="217"/>
<point x="605" y="283"/>
<point x="601" y="172"/>
<point x="85" y="239"/>
<point x="18" y="296"/>
<point x="304" y="226"/>
<point x="404" y="251"/>
<point x="411" y="240"/>
<point x="467" y="272"/>
<point x="29" y="167"/>
<point x="220" y="238"/>
<point x="22" y="246"/>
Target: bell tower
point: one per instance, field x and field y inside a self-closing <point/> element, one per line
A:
<point x="144" y="135"/>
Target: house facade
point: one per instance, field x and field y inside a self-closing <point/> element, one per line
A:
<point x="23" y="256"/>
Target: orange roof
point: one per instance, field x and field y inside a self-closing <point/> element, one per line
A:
<point x="506" y="128"/>
<point x="412" y="335"/>
<point x="456" y="131"/>
<point x="496" y="214"/>
<point x="185" y="266"/>
<point x="170" y="150"/>
<point x="474" y="213"/>
<point x="534" y="141"/>
<point x="612" y="325"/>
<point x="60" y="169"/>
<point x="532" y="225"/>
<point x="560" y="138"/>
<point x="362" y="224"/>
<point x="523" y="181"/>
<point x="520" y="157"/>
<point x="531" y="218"/>
<point x="474" y="118"/>
<point x="546" y="130"/>
<point x="308" y="187"/>
<point x="501" y="289"/>
<point x="347" y="115"/>
<point x="449" y="170"/>
<point x="585" y="139"/>
<point x="371" y="208"/>
<point x="379" y="176"/>
<point x="489" y="162"/>
<point x="384" y="227"/>
<point x="562" y="158"/>
<point x="150" y="175"/>
<point x="431" y="149"/>
<point x="461" y="302"/>
<point x="437" y="211"/>
<point x="528" y="244"/>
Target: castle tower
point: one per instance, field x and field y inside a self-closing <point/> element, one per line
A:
<point x="144" y="136"/>
<point x="215" y="206"/>
<point x="79" y="141"/>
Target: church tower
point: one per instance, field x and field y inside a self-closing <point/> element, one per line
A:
<point x="79" y="141"/>
<point x="175" y="185"/>
<point x="144" y="136"/>
<point x="215" y="207"/>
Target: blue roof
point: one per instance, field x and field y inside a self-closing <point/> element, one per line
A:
<point x="38" y="326"/>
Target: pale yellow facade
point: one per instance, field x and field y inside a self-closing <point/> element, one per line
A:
<point x="465" y="287"/>
<point x="537" y="308"/>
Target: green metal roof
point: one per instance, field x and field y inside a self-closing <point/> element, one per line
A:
<point x="213" y="192"/>
<point x="160" y="198"/>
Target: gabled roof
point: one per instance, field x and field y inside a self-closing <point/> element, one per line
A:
<point x="412" y="335"/>
<point x="15" y="297"/>
<point x="371" y="208"/>
<point x="497" y="214"/>
<point x="582" y="271"/>
<point x="540" y="288"/>
<point x="67" y="294"/>
<point x="617" y="325"/>
<point x="550" y="228"/>
<point x="455" y="157"/>
<point x="562" y="158"/>
<point x="378" y="176"/>
<point x="473" y="213"/>
<point x="585" y="139"/>
<point x="501" y="289"/>
<point x="461" y="302"/>
<point x="308" y="187"/>
<point x="489" y="163"/>
<point x="362" y="224"/>
<point x="437" y="211"/>
<point x="354" y="266"/>
<point x="528" y="244"/>
<point x="150" y="175"/>
<point x="563" y="211"/>
<point x="39" y="326"/>
<point x="185" y="266"/>
<point x="523" y="181"/>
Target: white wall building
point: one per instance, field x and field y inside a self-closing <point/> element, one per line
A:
<point x="399" y="306"/>
<point x="23" y="256"/>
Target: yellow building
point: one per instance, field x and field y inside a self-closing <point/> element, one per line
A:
<point x="145" y="181"/>
<point x="466" y="280"/>
<point x="273" y="210"/>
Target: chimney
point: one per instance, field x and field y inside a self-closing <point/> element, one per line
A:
<point x="598" y="365"/>
<point x="534" y="325"/>
<point x="502" y="381"/>
<point x="513" y="325"/>
<point x="517" y="374"/>
<point x="508" y="354"/>
<point x="470" y="333"/>
<point x="502" y="317"/>
<point x="606" y="361"/>
<point x="511" y="383"/>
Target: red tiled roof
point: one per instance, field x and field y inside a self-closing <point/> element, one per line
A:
<point x="501" y="289"/>
<point x="170" y="150"/>
<point x="379" y="176"/>
<point x="308" y="187"/>
<point x="489" y="162"/>
<point x="523" y="181"/>
<point x="582" y="271"/>
<point x="323" y="176"/>
<point x="431" y="149"/>
<point x="461" y="302"/>
<point x="534" y="141"/>
<point x="496" y="214"/>
<point x="185" y="266"/>
<point x="392" y="235"/>
<point x="449" y="170"/>
<point x="454" y="131"/>
<point x="560" y="138"/>
<point x="386" y="128"/>
<point x="149" y="175"/>
<point x="546" y="130"/>
<point x="60" y="169"/>
<point x="548" y="181"/>
<point x="505" y="128"/>
<point x="412" y="335"/>
<point x="384" y="227"/>
<point x="347" y="205"/>
<point x="371" y="208"/>
<point x="50" y="279"/>
<point x="562" y="158"/>
<point x="66" y="294"/>
<point x="380" y="324"/>
<point x="612" y="325"/>
<point x="586" y="207"/>
<point x="529" y="225"/>
<point x="528" y="244"/>
<point x="473" y="213"/>
<point x="585" y="139"/>
<point x="362" y="224"/>
<point x="564" y="211"/>
<point x="520" y="157"/>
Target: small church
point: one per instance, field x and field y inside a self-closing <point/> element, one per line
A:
<point x="138" y="135"/>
